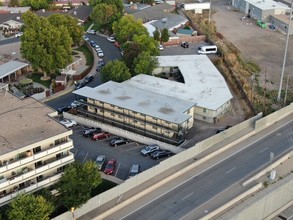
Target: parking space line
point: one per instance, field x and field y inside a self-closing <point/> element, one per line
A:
<point x="117" y="170"/>
<point x="85" y="157"/>
<point x="131" y="148"/>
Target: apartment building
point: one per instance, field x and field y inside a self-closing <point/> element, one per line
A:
<point x="144" y="112"/>
<point x="34" y="148"/>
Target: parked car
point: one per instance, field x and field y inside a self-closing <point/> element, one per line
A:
<point x="100" y="161"/>
<point x="101" y="54"/>
<point x="75" y="104"/>
<point x="161" y="47"/>
<point x="89" y="131"/>
<point x="117" y="44"/>
<point x="184" y="44"/>
<point x="91" y="32"/>
<point x="93" y="43"/>
<point x="148" y="149"/>
<point x="86" y="38"/>
<point x="110" y="167"/>
<point x="118" y="141"/>
<point x="68" y="123"/>
<point x="62" y="109"/>
<point x="223" y="129"/>
<point x="261" y="24"/>
<point x="101" y="62"/>
<point x="79" y="85"/>
<point x="160" y="154"/>
<point x="97" y="47"/>
<point x="134" y="170"/>
<point x="111" y="39"/>
<point x="100" y="135"/>
<point x="19" y="34"/>
<point x="88" y="79"/>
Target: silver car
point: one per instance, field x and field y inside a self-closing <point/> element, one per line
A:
<point x="147" y="150"/>
<point x="100" y="161"/>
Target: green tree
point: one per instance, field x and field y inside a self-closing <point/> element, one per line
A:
<point x="45" y="46"/>
<point x="145" y="64"/>
<point x="131" y="51"/>
<point x="28" y="206"/>
<point x="116" y="71"/>
<point x="14" y="3"/>
<point x="35" y="4"/>
<point x="165" y="35"/>
<point x="70" y="23"/>
<point x="127" y="27"/>
<point x="77" y="182"/>
<point x="94" y="2"/>
<point x="157" y="35"/>
<point x="118" y="3"/>
<point x="147" y="44"/>
<point x="104" y="15"/>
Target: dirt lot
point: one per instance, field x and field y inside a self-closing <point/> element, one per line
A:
<point x="263" y="46"/>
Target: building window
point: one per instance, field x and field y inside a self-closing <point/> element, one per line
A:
<point x="62" y="154"/>
<point x="91" y="108"/>
<point x="101" y="102"/>
<point x="154" y="118"/>
<point x="167" y="122"/>
<point x="38" y="164"/>
<point x="134" y="121"/>
<point x="167" y="132"/>
<point x="112" y="114"/>
<point x="154" y="127"/>
<point x="204" y="117"/>
<point x="60" y="169"/>
<point x="113" y="106"/>
<point x="120" y="108"/>
<point x="204" y="110"/>
<point x="188" y="111"/>
<point x="90" y="100"/>
<point x="40" y="178"/>
<point x="37" y="149"/>
<point x="120" y="117"/>
<point x="102" y="110"/>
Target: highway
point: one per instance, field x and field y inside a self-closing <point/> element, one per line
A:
<point x="199" y="189"/>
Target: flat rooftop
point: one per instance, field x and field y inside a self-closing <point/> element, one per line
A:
<point x="24" y="122"/>
<point x="204" y="85"/>
<point x="147" y="102"/>
<point x="268" y="4"/>
<point x="11" y="67"/>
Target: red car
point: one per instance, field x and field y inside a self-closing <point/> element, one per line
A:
<point x="117" y="44"/>
<point x="110" y="167"/>
<point x="100" y="136"/>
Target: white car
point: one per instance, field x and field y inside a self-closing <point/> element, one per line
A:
<point x="111" y="39"/>
<point x="161" y="47"/>
<point x="75" y="104"/>
<point x="19" y="34"/>
<point x="86" y="38"/>
<point x="100" y="54"/>
<point x="91" y="32"/>
<point x="99" y="50"/>
<point x="68" y="123"/>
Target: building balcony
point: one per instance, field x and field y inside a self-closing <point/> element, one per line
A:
<point x="12" y="163"/>
<point x="15" y="178"/>
<point x="29" y="187"/>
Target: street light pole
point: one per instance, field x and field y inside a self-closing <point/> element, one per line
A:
<point x="285" y="54"/>
<point x="211" y="9"/>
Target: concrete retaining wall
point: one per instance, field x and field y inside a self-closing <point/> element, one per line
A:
<point x="264" y="203"/>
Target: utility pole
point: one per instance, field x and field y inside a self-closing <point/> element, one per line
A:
<point x="265" y="89"/>
<point x="211" y="9"/>
<point x="285" y="54"/>
<point x="285" y="99"/>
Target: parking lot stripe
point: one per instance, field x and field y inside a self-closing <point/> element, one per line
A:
<point x="85" y="157"/>
<point x="117" y="170"/>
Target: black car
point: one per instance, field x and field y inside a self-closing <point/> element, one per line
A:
<point x="88" y="79"/>
<point x="223" y="129"/>
<point x="63" y="109"/>
<point x="118" y="141"/>
<point x="89" y="131"/>
<point x="160" y="154"/>
<point x="79" y="85"/>
<point x="185" y="44"/>
<point x="93" y="43"/>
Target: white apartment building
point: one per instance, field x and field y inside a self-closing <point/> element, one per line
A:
<point x="34" y="148"/>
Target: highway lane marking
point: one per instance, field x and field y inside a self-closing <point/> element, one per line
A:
<point x="263" y="150"/>
<point x="231" y="155"/>
<point x="229" y="171"/>
<point x="185" y="197"/>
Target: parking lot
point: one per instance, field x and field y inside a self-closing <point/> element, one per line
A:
<point x="87" y="149"/>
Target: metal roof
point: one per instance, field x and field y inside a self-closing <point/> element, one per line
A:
<point x="204" y="85"/>
<point x="10" y="67"/>
<point x="146" y="102"/>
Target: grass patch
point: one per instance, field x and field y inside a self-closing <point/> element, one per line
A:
<point x="87" y="24"/>
<point x="104" y="186"/>
<point x="89" y="56"/>
<point x="36" y="77"/>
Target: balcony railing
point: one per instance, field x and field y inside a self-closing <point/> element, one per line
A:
<point x="30" y="173"/>
<point x="29" y="187"/>
<point x="16" y="163"/>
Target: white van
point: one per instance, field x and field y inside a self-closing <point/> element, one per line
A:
<point x="207" y="49"/>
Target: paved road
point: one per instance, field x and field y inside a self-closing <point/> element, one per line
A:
<point x="9" y="40"/>
<point x="199" y="189"/>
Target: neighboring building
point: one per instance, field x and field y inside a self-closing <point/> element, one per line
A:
<point x="11" y="70"/>
<point x="34" y="147"/>
<point x="261" y="9"/>
<point x="144" y="112"/>
<point x="202" y="84"/>
<point x="281" y="23"/>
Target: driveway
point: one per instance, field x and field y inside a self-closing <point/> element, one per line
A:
<point x="264" y="46"/>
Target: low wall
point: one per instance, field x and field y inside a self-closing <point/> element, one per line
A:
<point x="191" y="39"/>
<point x="265" y="203"/>
<point x="273" y="118"/>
